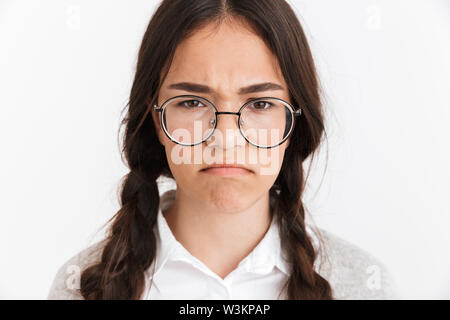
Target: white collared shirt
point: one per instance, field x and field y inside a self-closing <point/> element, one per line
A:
<point x="180" y="275"/>
<point x="260" y="275"/>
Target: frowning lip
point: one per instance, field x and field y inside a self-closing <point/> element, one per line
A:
<point x="226" y="165"/>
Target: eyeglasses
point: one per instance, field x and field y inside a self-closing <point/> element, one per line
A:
<point x="190" y="120"/>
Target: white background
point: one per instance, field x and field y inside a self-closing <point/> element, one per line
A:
<point x="66" y="69"/>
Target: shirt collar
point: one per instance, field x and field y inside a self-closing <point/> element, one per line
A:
<point x="266" y="255"/>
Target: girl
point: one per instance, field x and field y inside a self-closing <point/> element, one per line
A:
<point x="226" y="102"/>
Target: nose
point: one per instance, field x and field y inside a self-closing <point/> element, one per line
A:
<point x="227" y="134"/>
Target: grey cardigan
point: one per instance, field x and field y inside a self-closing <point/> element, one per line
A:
<point x="352" y="272"/>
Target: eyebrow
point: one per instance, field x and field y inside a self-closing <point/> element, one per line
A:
<point x="200" y="88"/>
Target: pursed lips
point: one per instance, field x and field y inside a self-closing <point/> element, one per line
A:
<point x="226" y="170"/>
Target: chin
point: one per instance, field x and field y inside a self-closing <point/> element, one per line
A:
<point x="226" y="198"/>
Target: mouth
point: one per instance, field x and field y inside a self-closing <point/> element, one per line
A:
<point x="226" y="170"/>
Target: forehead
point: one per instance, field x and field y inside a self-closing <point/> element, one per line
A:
<point x="226" y="57"/>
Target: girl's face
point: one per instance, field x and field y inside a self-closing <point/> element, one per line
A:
<point x="221" y="62"/>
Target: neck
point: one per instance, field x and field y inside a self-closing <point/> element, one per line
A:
<point x="218" y="238"/>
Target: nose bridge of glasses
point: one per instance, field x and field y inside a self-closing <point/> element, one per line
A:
<point x="227" y="134"/>
<point x="227" y="120"/>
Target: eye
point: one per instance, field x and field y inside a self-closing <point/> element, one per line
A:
<point x="261" y="105"/>
<point x="190" y="104"/>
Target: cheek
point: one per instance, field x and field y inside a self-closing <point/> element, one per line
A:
<point x="269" y="161"/>
<point x="269" y="172"/>
<point x="179" y="160"/>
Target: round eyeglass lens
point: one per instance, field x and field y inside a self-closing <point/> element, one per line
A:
<point x="188" y="120"/>
<point x="267" y="122"/>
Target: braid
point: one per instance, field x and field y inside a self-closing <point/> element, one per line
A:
<point x="304" y="282"/>
<point x="131" y="245"/>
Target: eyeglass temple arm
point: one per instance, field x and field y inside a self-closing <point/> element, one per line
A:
<point x="157" y="108"/>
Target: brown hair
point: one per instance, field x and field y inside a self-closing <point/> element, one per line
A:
<point x="131" y="243"/>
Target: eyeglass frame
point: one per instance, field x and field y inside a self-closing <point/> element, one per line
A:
<point x="294" y="114"/>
